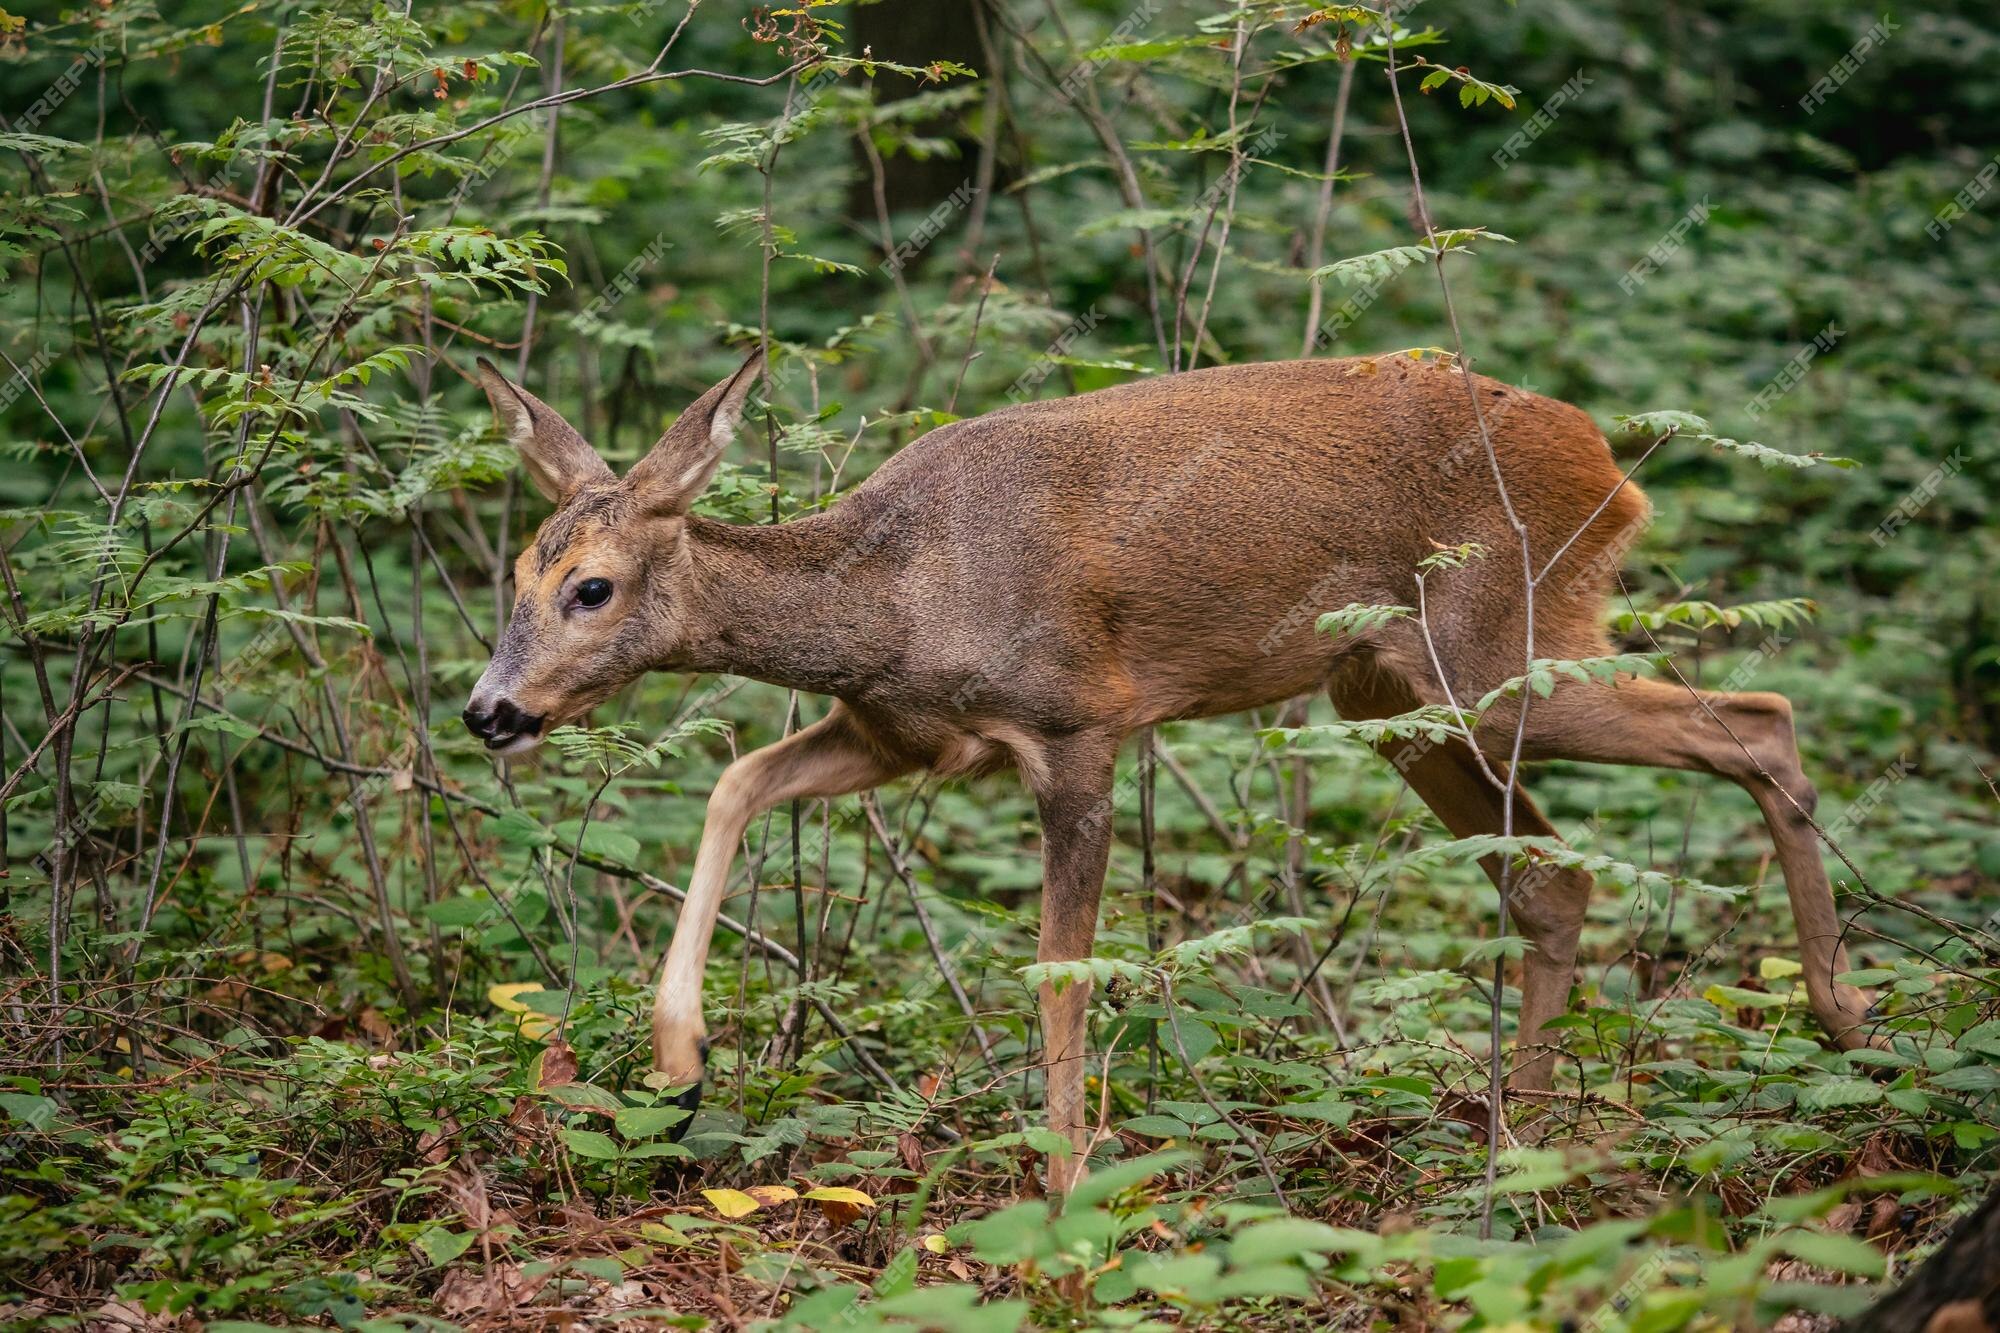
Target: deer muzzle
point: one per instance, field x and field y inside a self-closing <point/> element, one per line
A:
<point x="503" y="726"/>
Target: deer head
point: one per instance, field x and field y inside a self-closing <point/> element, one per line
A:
<point x="595" y="594"/>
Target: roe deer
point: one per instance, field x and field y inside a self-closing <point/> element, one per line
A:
<point x="1026" y="589"/>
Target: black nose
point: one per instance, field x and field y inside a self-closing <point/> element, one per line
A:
<point x="477" y="722"/>
<point x="503" y="721"/>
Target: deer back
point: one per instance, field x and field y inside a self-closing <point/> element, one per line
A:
<point x="1163" y="549"/>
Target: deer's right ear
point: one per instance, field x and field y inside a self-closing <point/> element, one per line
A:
<point x="677" y="468"/>
<point x="559" y="461"/>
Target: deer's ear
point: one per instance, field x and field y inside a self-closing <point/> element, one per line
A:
<point x="677" y="469"/>
<point x="559" y="461"/>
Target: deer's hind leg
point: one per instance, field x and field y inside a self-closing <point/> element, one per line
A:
<point x="1746" y="738"/>
<point x="1546" y="903"/>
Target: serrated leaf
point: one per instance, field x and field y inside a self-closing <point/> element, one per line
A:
<point x="1968" y="1078"/>
<point x="1829" y="1093"/>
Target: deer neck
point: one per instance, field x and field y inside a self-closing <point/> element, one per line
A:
<point x="782" y="604"/>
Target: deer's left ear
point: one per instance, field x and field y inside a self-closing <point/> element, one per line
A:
<point x="677" y="469"/>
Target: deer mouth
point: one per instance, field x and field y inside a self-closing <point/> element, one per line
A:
<point x="503" y="728"/>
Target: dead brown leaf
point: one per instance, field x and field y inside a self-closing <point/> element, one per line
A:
<point x="557" y="1065"/>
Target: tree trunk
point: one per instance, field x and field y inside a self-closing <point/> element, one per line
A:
<point x="914" y="32"/>
<point x="1956" y="1291"/>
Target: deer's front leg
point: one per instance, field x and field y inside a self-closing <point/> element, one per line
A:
<point x="1073" y="792"/>
<point x="832" y="757"/>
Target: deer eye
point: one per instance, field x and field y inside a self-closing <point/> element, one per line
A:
<point x="593" y="592"/>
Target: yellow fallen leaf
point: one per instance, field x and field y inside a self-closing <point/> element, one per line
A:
<point x="731" y="1203"/>
<point x="770" y="1196"/>
<point x="501" y="995"/>
<point x="1772" y="968"/>
<point x="504" y="995"/>
<point x="840" y="1194"/>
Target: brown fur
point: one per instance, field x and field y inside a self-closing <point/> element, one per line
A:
<point x="1032" y="586"/>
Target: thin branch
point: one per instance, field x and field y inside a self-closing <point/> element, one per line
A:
<point x="1508" y="795"/>
<point x="972" y="339"/>
<point x="1316" y="248"/>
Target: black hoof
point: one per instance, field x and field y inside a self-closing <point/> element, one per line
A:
<point x="688" y="1099"/>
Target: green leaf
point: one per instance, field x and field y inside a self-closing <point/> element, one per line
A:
<point x="30" y="1109"/>
<point x="657" y="1148"/>
<point x="601" y="839"/>
<point x="1281" y="1238"/>
<point x="604" y="1270"/>
<point x="1725" y="997"/>
<point x="1835" y="1253"/>
<point x="36" y="145"/>
<point x="589" y="1143"/>
<point x="1010" y="1235"/>
<point x="460" y="911"/>
<point x="584" y="1096"/>
<point x="1829" y="1093"/>
<point x="1264" y="1281"/>
<point x="1102" y="1184"/>
<point x="441" y="1246"/>
<point x="644" y="1122"/>
<point x="1146" y="51"/>
<point x="518" y="828"/>
<point x="960" y="1308"/>
<point x="1381" y="265"/>
<point x="1968" y="1078"/>
<point x="1357" y="618"/>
